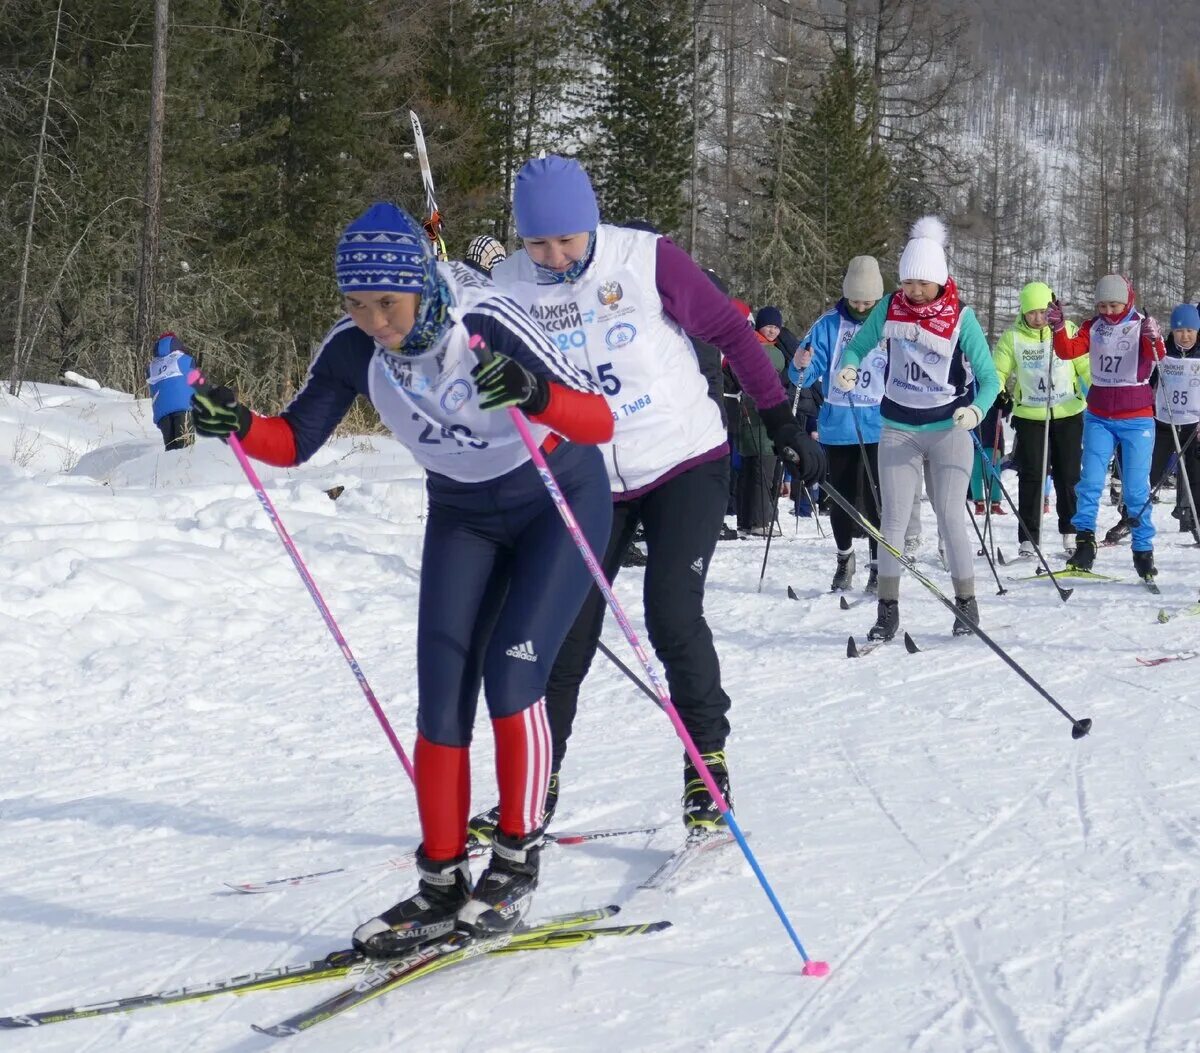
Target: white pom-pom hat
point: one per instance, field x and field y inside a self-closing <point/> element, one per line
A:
<point x="924" y="257"/>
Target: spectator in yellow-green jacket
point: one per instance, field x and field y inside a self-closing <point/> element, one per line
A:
<point x="1040" y="385"/>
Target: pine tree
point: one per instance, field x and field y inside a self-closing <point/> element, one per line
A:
<point x="790" y="259"/>
<point x="853" y="203"/>
<point x="639" y="156"/>
<point x="519" y="61"/>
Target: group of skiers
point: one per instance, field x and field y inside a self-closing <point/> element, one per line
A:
<point x="592" y="332"/>
<point x="912" y="394"/>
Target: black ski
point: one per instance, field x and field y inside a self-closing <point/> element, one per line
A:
<point x="697" y="843"/>
<point x="854" y="651"/>
<point x="458" y="948"/>
<point x="334" y="966"/>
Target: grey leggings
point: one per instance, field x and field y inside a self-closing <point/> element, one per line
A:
<point x="948" y="452"/>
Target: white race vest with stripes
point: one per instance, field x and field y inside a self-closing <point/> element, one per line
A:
<point x="1036" y="359"/>
<point x="871" y="371"/>
<point x="611" y="323"/>
<point x="430" y="403"/>
<point x="919" y="377"/>
<point x="1177" y="398"/>
<point x="1115" y="352"/>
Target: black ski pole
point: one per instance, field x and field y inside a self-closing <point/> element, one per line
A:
<point x="776" y="484"/>
<point x="1171" y="464"/>
<point x="862" y="450"/>
<point x="991" y="565"/>
<point x="628" y="672"/>
<point x="1063" y="594"/>
<point x="1079" y="728"/>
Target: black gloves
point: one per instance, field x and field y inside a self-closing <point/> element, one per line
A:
<point x="1005" y="401"/>
<point x="804" y="455"/>
<point x="216" y="412"/>
<point x="504" y="382"/>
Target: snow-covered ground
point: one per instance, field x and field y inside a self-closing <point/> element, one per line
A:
<point x="174" y="716"/>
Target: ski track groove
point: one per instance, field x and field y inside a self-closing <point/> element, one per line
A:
<point x="1081" y="806"/>
<point x="1000" y="1018"/>
<point x="1173" y="968"/>
<point x="883" y="917"/>
<point x="869" y="787"/>
<point x="224" y="1005"/>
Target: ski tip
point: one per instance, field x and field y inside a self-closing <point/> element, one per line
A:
<point x="812" y="968"/>
<point x="792" y="594"/>
<point x="844" y="603"/>
<point x="275" y="1030"/>
<point x="851" y="647"/>
<point x="1000" y="557"/>
<point x="1163" y="616"/>
<point x="910" y="645"/>
<point x="1081" y="728"/>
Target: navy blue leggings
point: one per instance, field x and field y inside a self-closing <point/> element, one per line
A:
<point x="501" y="584"/>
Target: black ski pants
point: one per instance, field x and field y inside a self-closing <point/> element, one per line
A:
<point x="755" y="485"/>
<point x="1066" y="456"/>
<point x="174" y="430"/>
<point x="681" y="519"/>
<point x="848" y="475"/>
<point x="1164" y="448"/>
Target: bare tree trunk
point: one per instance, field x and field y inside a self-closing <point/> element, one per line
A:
<point x="19" y="357"/>
<point x="730" y="57"/>
<point x="147" y="271"/>
<point x="694" y="202"/>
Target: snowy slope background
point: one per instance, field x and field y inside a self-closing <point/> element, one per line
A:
<point x="174" y="716"/>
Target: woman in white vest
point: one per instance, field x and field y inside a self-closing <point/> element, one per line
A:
<point x="940" y="383"/>
<point x="1177" y="405"/>
<point x="1047" y="392"/>
<point x="621" y="304"/>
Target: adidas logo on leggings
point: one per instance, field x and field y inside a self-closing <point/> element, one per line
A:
<point x="524" y="651"/>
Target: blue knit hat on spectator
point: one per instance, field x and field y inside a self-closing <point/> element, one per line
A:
<point x="552" y="197"/>
<point x="1185" y="316"/>
<point x="384" y="250"/>
<point x="768" y="316"/>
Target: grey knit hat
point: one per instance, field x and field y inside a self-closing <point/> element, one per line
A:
<point x="1112" y="288"/>
<point x="863" y="280"/>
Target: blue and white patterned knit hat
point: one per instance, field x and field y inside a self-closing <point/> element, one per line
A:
<point x="384" y="250"/>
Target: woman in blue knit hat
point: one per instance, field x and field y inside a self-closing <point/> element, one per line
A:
<point x="623" y="305"/>
<point x="501" y="579"/>
<point x="1177" y="408"/>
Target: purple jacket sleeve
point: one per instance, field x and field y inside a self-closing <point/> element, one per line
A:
<point x="703" y="311"/>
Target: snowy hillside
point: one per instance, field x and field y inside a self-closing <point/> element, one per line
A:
<point x="174" y="716"/>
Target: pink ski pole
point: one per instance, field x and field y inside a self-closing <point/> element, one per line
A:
<point x="195" y="378"/>
<point x="811" y="967"/>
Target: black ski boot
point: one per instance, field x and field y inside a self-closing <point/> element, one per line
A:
<point x="1121" y="531"/>
<point x="968" y="607"/>
<point x="872" y="580"/>
<point x="1085" y="551"/>
<point x="482" y="827"/>
<point x="844" y="575"/>
<point x="700" y="811"/>
<point x="503" y="892"/>
<point x="887" y="620"/>
<point x="1143" y="563"/>
<point x="425" y="917"/>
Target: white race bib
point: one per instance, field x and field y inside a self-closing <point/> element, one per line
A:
<point x="1114" y="351"/>
<point x="871" y="372"/>
<point x="1045" y="379"/>
<point x="1177" y="398"/>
